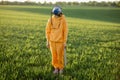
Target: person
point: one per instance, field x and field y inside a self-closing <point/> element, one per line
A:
<point x="56" y="35"/>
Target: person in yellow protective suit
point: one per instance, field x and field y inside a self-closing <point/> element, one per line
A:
<point x="56" y="35"/>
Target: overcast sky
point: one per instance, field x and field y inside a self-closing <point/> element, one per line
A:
<point x="53" y="1"/>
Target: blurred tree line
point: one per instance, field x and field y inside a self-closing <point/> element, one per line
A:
<point x="90" y="3"/>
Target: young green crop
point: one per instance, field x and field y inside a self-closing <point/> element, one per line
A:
<point x="92" y="48"/>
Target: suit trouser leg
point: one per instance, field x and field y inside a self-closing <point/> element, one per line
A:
<point x="57" y="50"/>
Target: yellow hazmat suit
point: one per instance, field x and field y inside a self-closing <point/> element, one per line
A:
<point x="56" y="34"/>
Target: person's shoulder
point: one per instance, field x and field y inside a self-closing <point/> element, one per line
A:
<point x="63" y="18"/>
<point x="53" y="16"/>
<point x="63" y="15"/>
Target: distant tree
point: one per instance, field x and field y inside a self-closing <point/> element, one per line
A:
<point x="94" y="3"/>
<point x="50" y="3"/>
<point x="69" y="3"/>
<point x="83" y="3"/>
<point x="118" y="4"/>
<point x="103" y="3"/>
<point x="45" y="3"/>
<point x="90" y="3"/>
<point x="114" y="4"/>
<point x="75" y="3"/>
<point x="3" y="2"/>
<point x="28" y="0"/>
<point x="61" y="3"/>
<point x="109" y="3"/>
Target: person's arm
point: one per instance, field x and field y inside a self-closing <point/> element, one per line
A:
<point x="48" y="30"/>
<point x="65" y="32"/>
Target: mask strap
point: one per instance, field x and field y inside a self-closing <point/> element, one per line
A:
<point x="51" y="19"/>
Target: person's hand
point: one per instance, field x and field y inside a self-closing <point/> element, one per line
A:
<point x="47" y="45"/>
<point x="65" y="45"/>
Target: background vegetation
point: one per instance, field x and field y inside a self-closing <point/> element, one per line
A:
<point x="90" y="3"/>
<point x="93" y="47"/>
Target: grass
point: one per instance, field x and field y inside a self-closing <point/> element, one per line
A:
<point x="93" y="45"/>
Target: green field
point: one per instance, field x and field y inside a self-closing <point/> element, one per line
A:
<point x="93" y="47"/>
